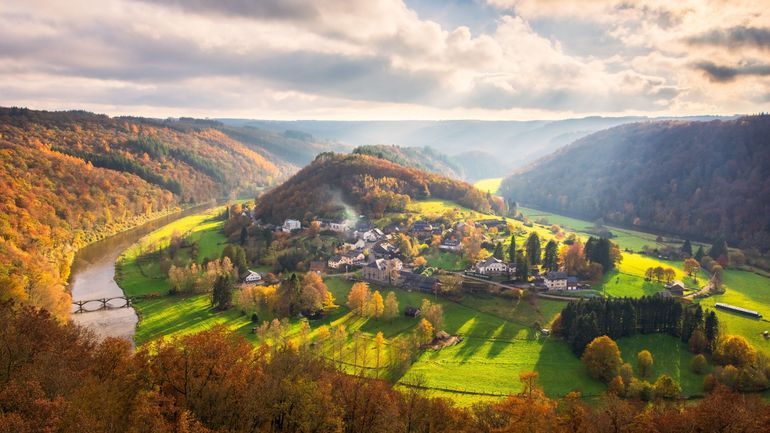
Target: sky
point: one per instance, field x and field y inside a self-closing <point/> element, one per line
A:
<point x="387" y="59"/>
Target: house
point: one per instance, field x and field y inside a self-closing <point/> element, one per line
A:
<point x="555" y="280"/>
<point x="317" y="266"/>
<point x="289" y="225"/>
<point x="676" y="288"/>
<point x="355" y="257"/>
<point x="491" y="265"/>
<point x="489" y="223"/>
<point x="411" y="311"/>
<point x="421" y="228"/>
<point x="334" y="225"/>
<point x="572" y="283"/>
<point x="450" y="245"/>
<point x="372" y="235"/>
<point x="410" y="280"/>
<point x="381" y="270"/>
<point x="335" y="262"/>
<point x="252" y="277"/>
<point x="385" y="249"/>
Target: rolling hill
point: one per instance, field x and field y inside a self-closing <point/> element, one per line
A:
<point x="703" y="180"/>
<point x="339" y="185"/>
<point x="422" y="158"/>
<point x="69" y="178"/>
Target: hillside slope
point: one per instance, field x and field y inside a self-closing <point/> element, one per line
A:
<point x="421" y="158"/>
<point x="482" y="148"/>
<point x="68" y="178"/>
<point x="699" y="179"/>
<point x="338" y="185"/>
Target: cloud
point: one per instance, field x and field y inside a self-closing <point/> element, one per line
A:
<point x="380" y="57"/>
<point x="263" y="9"/>
<point x="734" y="37"/>
<point x="723" y="74"/>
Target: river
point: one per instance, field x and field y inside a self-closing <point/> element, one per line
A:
<point x="93" y="277"/>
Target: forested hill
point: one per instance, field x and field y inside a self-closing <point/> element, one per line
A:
<point x="68" y="178"/>
<point x="697" y="179"/>
<point x="339" y="185"/>
<point x="422" y="158"/>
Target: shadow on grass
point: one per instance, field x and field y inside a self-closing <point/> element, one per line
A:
<point x="562" y="372"/>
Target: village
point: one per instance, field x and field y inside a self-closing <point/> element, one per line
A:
<point x="372" y="254"/>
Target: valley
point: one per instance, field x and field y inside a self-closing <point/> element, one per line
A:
<point x="498" y="343"/>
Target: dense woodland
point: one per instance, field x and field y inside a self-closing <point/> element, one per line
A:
<point x="703" y="180"/>
<point x="69" y="178"/>
<point x="423" y="158"/>
<point x="339" y="185"/>
<point x="56" y="378"/>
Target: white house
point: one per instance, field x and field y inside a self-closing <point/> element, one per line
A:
<point x="336" y="261"/>
<point x="372" y="235"/>
<point x="290" y="225"/>
<point x="252" y="277"/>
<point x="491" y="265"/>
<point x="555" y="280"/>
<point x="358" y="245"/>
<point x="334" y="225"/>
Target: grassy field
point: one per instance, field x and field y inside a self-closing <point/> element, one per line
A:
<point x="625" y="238"/>
<point x="168" y="316"/>
<point x="491" y="185"/>
<point x="446" y="260"/>
<point x="670" y="357"/>
<point x="746" y="290"/>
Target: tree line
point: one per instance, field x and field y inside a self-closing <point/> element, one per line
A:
<point x="582" y="321"/>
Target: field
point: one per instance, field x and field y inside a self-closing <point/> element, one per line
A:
<point x="491" y="185"/>
<point x="446" y="260"/>
<point x="670" y="357"/>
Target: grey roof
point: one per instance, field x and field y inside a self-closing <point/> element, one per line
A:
<point x="491" y="260"/>
<point x="553" y="275"/>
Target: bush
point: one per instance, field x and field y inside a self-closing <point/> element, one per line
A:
<point x="666" y="388"/>
<point x="644" y="363"/>
<point x="698" y="365"/>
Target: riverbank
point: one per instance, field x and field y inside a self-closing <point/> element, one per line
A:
<point x="93" y="275"/>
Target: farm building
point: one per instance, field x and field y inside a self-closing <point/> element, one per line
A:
<point x="739" y="310"/>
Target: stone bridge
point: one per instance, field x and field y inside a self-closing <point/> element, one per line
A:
<point x="91" y="305"/>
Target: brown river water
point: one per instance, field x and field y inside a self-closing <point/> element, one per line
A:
<point x="93" y="277"/>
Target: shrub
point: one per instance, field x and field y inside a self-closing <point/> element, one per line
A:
<point x="698" y="365"/>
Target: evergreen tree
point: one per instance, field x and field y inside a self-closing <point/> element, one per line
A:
<point x="687" y="248"/>
<point x="711" y="328"/>
<point x="533" y="249"/>
<point x="718" y="249"/>
<point x="222" y="293"/>
<point x="699" y="254"/>
<point x="499" y="254"/>
<point x="522" y="267"/>
<point x="244" y="235"/>
<point x="512" y="249"/>
<point x="551" y="257"/>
